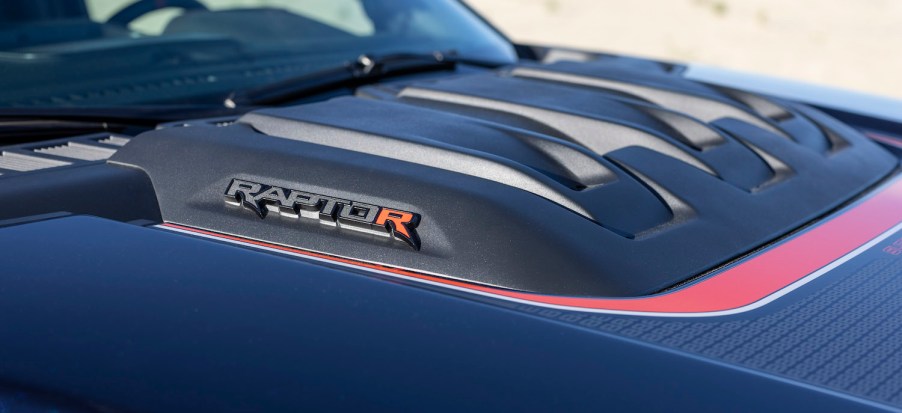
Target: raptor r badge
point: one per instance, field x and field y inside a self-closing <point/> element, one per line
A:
<point x="343" y="213"/>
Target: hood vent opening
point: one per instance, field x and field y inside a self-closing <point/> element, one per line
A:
<point x="706" y="109"/>
<point x="680" y="211"/>
<point x="760" y="105"/>
<point x="79" y="150"/>
<point x="694" y="133"/>
<point x="837" y="143"/>
<point x="582" y="171"/>
<point x="598" y="135"/>
<point x="114" y="141"/>
<point x="564" y="173"/>
<point x="780" y="171"/>
<point x="76" y="150"/>
<point x="18" y="162"/>
<point x="807" y="132"/>
<point x="611" y="125"/>
<point x="705" y="102"/>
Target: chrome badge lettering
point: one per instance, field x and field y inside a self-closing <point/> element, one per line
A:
<point x="336" y="212"/>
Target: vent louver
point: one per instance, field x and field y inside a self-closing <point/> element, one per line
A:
<point x="77" y="150"/>
<point x="18" y="162"/>
<point x="59" y="153"/>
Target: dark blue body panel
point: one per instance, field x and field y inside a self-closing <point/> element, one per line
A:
<point x="140" y="319"/>
<point x="598" y="231"/>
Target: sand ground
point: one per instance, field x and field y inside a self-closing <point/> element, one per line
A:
<point x="854" y="44"/>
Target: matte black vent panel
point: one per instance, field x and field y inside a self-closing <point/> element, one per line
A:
<point x="606" y="178"/>
<point x="59" y="153"/>
<point x="70" y="176"/>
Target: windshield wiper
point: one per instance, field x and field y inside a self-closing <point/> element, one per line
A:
<point x="367" y="69"/>
<point x="127" y="114"/>
<point x="19" y="125"/>
<point x="30" y="130"/>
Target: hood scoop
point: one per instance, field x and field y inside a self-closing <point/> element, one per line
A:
<point x="579" y="179"/>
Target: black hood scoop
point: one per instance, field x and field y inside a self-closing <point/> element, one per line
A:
<point x="605" y="178"/>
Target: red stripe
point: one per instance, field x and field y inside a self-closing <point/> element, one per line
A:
<point x="744" y="284"/>
<point x="885" y="139"/>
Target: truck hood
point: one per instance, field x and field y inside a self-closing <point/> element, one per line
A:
<point x="542" y="237"/>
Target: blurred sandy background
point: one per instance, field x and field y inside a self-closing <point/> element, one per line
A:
<point x="854" y="44"/>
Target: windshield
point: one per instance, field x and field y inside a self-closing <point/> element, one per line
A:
<point x="73" y="53"/>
